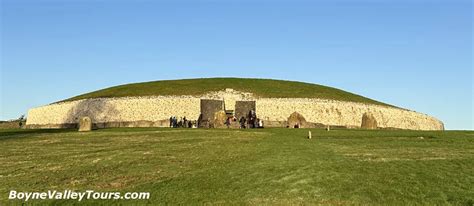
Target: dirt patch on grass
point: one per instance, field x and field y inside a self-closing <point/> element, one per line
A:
<point x="119" y="183"/>
<point x="391" y="159"/>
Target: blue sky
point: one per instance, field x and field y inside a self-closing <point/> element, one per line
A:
<point x="413" y="54"/>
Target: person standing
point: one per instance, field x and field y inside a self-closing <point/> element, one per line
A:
<point x="242" y="122"/>
<point x="227" y="122"/>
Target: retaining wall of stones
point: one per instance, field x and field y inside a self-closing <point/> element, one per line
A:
<point x="128" y="111"/>
<point x="347" y="114"/>
<point x="154" y="111"/>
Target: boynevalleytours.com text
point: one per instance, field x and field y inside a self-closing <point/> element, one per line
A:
<point x="75" y="195"/>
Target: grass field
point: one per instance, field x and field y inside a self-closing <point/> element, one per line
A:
<point x="267" y="166"/>
<point x="259" y="87"/>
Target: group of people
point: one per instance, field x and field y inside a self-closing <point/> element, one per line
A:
<point x="182" y="123"/>
<point x="248" y="121"/>
<point x="251" y="121"/>
<point x="245" y="123"/>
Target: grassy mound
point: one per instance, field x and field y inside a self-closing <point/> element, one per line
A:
<point x="259" y="87"/>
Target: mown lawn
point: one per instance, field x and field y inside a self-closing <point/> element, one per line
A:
<point x="265" y="166"/>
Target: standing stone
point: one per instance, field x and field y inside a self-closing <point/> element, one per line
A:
<point x="209" y="107"/>
<point x="85" y="124"/>
<point x="309" y="135"/>
<point x="368" y="121"/>
<point x="242" y="108"/>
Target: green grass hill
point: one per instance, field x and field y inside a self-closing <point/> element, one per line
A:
<point x="259" y="87"/>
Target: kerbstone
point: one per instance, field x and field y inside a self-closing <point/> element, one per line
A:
<point x="368" y="121"/>
<point x="219" y="119"/>
<point x="296" y="120"/>
<point x="85" y="124"/>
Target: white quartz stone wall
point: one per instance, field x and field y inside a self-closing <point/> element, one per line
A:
<point x="158" y="108"/>
<point x="116" y="110"/>
<point x="348" y="114"/>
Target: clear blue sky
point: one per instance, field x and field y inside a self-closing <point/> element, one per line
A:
<point x="415" y="54"/>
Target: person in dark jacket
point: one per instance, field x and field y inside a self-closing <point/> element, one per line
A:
<point x="242" y="122"/>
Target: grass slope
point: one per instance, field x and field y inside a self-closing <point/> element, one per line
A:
<point x="260" y="87"/>
<point x="267" y="166"/>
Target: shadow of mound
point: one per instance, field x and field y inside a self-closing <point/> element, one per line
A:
<point x="100" y="111"/>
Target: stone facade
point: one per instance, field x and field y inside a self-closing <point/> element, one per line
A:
<point x="154" y="111"/>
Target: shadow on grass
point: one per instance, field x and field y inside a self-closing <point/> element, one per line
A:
<point x="20" y="133"/>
